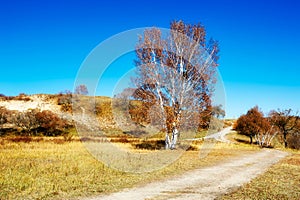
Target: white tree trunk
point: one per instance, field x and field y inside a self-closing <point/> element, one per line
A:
<point x="174" y="138"/>
<point x="167" y="141"/>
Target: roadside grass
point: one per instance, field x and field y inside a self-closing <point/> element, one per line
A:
<point x="237" y="138"/>
<point x="281" y="181"/>
<point x="48" y="169"/>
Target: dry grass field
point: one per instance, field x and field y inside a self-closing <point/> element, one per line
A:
<point x="50" y="168"/>
<point x="281" y="181"/>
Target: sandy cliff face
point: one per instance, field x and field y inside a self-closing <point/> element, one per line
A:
<point x="42" y="102"/>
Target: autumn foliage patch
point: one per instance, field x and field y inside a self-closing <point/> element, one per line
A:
<point x="32" y="122"/>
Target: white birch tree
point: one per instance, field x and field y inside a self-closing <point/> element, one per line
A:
<point x="176" y="77"/>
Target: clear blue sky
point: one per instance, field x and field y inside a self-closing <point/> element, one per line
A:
<point x="43" y="43"/>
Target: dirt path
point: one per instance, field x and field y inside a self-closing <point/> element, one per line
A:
<point x="205" y="183"/>
<point x="220" y="136"/>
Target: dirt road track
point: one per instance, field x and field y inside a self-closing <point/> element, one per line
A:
<point x="205" y="183"/>
<point x="220" y="136"/>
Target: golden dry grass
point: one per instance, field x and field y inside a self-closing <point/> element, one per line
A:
<point x="281" y="181"/>
<point x="49" y="169"/>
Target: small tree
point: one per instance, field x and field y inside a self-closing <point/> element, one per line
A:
<point x="266" y="133"/>
<point x="218" y="111"/>
<point x="255" y="125"/>
<point x="249" y="124"/>
<point x="82" y="90"/>
<point x="285" y="121"/>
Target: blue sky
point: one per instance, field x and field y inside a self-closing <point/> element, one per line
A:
<point x="43" y="44"/>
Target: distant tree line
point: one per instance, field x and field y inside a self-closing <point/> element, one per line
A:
<point x="282" y="124"/>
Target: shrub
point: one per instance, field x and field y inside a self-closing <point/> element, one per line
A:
<point x="294" y="141"/>
<point x="104" y="110"/>
<point x="3" y="115"/>
<point x="192" y="148"/>
<point x="25" y="139"/>
<point x="32" y="122"/>
<point x="25" y="122"/>
<point x="22" y="97"/>
<point x="65" y="100"/>
<point x="151" y="145"/>
<point x="50" y="123"/>
<point x="119" y="140"/>
<point x="216" y="124"/>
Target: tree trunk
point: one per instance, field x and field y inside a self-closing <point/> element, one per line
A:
<point x="167" y="142"/>
<point x="251" y="139"/>
<point x="174" y="138"/>
<point x="285" y="140"/>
